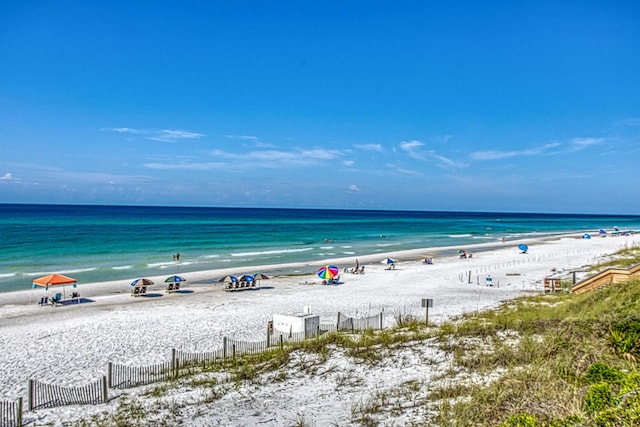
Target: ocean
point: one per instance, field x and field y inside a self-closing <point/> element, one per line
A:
<point x="104" y="243"/>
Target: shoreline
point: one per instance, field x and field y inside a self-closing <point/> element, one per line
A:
<point x="293" y="269"/>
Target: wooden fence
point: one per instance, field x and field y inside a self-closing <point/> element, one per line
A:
<point x="11" y="413"/>
<point x="346" y="323"/>
<point x="121" y="376"/>
<point x="43" y="395"/>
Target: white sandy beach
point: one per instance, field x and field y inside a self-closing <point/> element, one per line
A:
<point x="72" y="344"/>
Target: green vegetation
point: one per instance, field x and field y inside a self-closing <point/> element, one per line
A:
<point x="622" y="259"/>
<point x="563" y="360"/>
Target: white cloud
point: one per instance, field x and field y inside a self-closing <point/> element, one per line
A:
<point x="354" y="188"/>
<point x="163" y="135"/>
<point x="296" y="158"/>
<point x="370" y="147"/>
<point x="243" y="137"/>
<point x="167" y="135"/>
<point x="414" y="149"/>
<point x="498" y="155"/>
<point x="585" y="142"/>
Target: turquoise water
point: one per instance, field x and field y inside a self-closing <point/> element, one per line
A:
<point x="101" y="243"/>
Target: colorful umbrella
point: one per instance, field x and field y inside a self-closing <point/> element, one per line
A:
<point x="260" y="276"/>
<point x="328" y="272"/>
<point x="175" y="279"/>
<point x="461" y="251"/>
<point x="246" y="278"/>
<point x="142" y="282"/>
<point x="524" y="248"/>
<point x="229" y="279"/>
<point x="388" y="261"/>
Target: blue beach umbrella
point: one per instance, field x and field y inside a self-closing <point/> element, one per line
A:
<point x="175" y="279"/>
<point x="586" y="236"/>
<point x="229" y="279"/>
<point x="524" y="248"/>
<point x="388" y="261"/>
<point x="602" y="231"/>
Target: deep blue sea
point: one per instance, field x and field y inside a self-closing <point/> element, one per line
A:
<point x="101" y="243"/>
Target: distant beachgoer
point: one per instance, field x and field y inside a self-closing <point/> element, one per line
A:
<point x="178" y="256"/>
<point x="504" y="239"/>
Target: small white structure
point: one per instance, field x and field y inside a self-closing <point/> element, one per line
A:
<point x="304" y="322"/>
<point x="489" y="280"/>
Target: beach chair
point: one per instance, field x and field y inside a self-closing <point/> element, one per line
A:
<point x="75" y="296"/>
<point x="361" y="271"/>
<point x="170" y="287"/>
<point x="44" y="301"/>
<point x="176" y="286"/>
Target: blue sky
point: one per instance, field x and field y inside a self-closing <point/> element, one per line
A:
<point x="461" y="105"/>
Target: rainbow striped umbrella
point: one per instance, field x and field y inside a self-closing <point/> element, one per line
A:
<point x="328" y="272"/>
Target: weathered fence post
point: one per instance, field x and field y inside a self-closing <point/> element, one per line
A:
<point x="19" y="420"/>
<point x="174" y="365"/>
<point x="380" y="320"/>
<point x="233" y="349"/>
<point x="224" y="348"/>
<point x="338" y="324"/>
<point x="281" y="343"/>
<point x="104" y="389"/>
<point x="110" y="374"/>
<point x="31" y="402"/>
<point x="268" y="337"/>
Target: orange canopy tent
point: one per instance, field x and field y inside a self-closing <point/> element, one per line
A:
<point x="53" y="280"/>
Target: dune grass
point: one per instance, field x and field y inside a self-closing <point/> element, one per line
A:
<point x="544" y="349"/>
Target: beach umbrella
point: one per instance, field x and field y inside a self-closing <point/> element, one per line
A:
<point x="461" y="252"/>
<point x="142" y="282"/>
<point x="246" y="278"/>
<point x="602" y="231"/>
<point x="175" y="279"/>
<point x="328" y="272"/>
<point x="586" y="236"/>
<point x="53" y="280"/>
<point x="388" y="261"/>
<point x="229" y="279"/>
<point x="260" y="276"/>
<point x="524" y="248"/>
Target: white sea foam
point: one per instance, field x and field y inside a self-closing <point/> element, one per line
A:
<point x="272" y="252"/>
<point x="122" y="267"/>
<point x="456" y="236"/>
<point x="160" y="264"/>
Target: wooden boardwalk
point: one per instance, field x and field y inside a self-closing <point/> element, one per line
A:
<point x="606" y="277"/>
